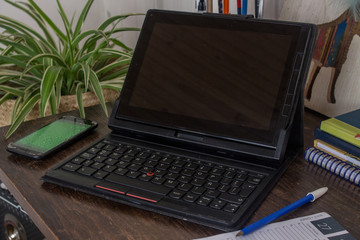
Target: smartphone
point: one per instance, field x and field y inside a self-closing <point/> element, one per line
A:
<point x="52" y="137"/>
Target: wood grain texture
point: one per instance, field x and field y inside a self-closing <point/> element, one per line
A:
<point x="66" y="214"/>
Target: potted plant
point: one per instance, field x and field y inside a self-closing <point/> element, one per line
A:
<point x="37" y="68"/>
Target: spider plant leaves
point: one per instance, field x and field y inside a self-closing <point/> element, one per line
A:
<point x="26" y="107"/>
<point x="95" y="84"/>
<point x="51" y="75"/>
<point x="79" y="92"/>
<point x="58" y="32"/>
<point x="40" y="66"/>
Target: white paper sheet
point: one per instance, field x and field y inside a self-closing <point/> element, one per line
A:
<point x="319" y="226"/>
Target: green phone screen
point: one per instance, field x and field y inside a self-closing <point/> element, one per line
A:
<point x="51" y="135"/>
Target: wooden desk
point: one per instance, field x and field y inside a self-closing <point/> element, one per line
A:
<point x="61" y="213"/>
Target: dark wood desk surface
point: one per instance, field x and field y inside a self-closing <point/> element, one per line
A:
<point x="65" y="214"/>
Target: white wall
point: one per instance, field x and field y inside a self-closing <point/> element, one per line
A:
<point x="102" y="9"/>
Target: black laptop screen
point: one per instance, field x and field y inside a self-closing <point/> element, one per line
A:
<point x="219" y="77"/>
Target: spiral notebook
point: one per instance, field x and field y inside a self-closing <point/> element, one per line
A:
<point x="332" y="164"/>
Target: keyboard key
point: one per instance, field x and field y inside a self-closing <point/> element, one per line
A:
<point x="185" y="187"/>
<point x="241" y="177"/>
<point x="198" y="182"/>
<point x="204" y="169"/>
<point x="214" y="178"/>
<point x="231" y="198"/>
<point x="145" y="177"/>
<point x="78" y="160"/>
<point x="175" y="169"/>
<point x="179" y="163"/>
<point x="223" y="188"/>
<point x="236" y="183"/>
<point x="204" y="201"/>
<point x="191" y="166"/>
<point x="132" y="152"/>
<point x="201" y="175"/>
<point x="93" y="150"/>
<point x="217" y="171"/>
<point x="171" y="176"/>
<point x="158" y="180"/>
<point x="155" y="157"/>
<point x="247" y="189"/>
<point x="171" y="183"/>
<point x="190" y="197"/>
<point x="198" y="190"/>
<point x="127" y="158"/>
<point x="71" y="167"/>
<point x="135" y="183"/>
<point x="254" y="180"/>
<point x="212" y="193"/>
<point x="87" y="155"/>
<point x="109" y="168"/>
<point x="97" y="165"/>
<point x="231" y="208"/>
<point x="121" y="171"/>
<point x="87" y="163"/>
<point x="111" y="161"/>
<point x="109" y="147"/>
<point x="217" y="204"/>
<point x="211" y="185"/>
<point x="100" y="145"/>
<point x="138" y="160"/>
<point x="122" y="164"/>
<point x="150" y="163"/>
<point x="184" y="179"/>
<point x="133" y="174"/>
<point x="86" y="171"/>
<point x="100" y="174"/>
<point x="234" y="190"/>
<point x="104" y="153"/>
<point x="134" y="167"/>
<point x="99" y="158"/>
<point x="229" y="174"/>
<point x="188" y="172"/>
<point x="177" y="194"/>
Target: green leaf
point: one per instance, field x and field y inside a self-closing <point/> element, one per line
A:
<point x="18" y="46"/>
<point x="15" y="109"/>
<point x="27" y="106"/>
<point x="7" y="96"/>
<point x="83" y="16"/>
<point x="110" y="20"/>
<point x="58" y="59"/>
<point x="86" y="70"/>
<point x="112" y="66"/>
<point x="12" y="90"/>
<point x="79" y="92"/>
<point x="58" y="32"/>
<point x="51" y="74"/>
<point x="36" y="18"/>
<point x="97" y="90"/>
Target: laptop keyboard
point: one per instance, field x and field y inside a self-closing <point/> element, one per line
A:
<point x="121" y="167"/>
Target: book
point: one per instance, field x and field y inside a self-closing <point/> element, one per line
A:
<point x="345" y="127"/>
<point x="337" y="142"/>
<point x="336" y="152"/>
<point x="333" y="165"/>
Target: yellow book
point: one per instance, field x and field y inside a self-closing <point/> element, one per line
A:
<point x="341" y="130"/>
<point x="336" y="152"/>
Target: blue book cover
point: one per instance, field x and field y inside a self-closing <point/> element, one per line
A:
<point x="337" y="142"/>
<point x="351" y="118"/>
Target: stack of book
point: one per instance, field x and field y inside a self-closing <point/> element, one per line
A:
<point x="337" y="146"/>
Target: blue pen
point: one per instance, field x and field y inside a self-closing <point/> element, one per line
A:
<point x="310" y="197"/>
<point x="244" y="7"/>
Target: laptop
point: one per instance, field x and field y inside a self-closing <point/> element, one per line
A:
<point x="209" y="117"/>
